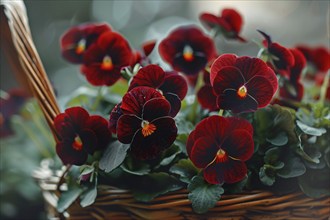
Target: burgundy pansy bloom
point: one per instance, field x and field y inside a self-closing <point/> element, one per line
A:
<point x="105" y="58"/>
<point x="9" y="106"/>
<point x="77" y="40"/>
<point x="291" y="87"/>
<point x="220" y="146"/>
<point x="229" y="23"/>
<point x="280" y="56"/>
<point x="206" y="95"/>
<point x="242" y="84"/>
<point x="187" y="49"/>
<point x="173" y="86"/>
<point x="80" y="134"/>
<point x="318" y="57"/>
<point x="145" y="123"/>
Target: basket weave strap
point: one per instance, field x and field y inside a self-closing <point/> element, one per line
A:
<point x="24" y="58"/>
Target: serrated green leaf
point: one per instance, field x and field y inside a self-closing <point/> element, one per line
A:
<point x="153" y="185"/>
<point x="170" y="154"/>
<point x="294" y="167"/>
<point x="185" y="169"/>
<point x="203" y="195"/>
<point x="311" y="130"/>
<point x="279" y="140"/>
<point x="68" y="197"/>
<point x="113" y="156"/>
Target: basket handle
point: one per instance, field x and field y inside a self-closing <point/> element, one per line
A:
<point x="24" y="58"/>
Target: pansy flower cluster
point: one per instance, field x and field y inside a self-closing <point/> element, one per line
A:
<point x="237" y="122"/>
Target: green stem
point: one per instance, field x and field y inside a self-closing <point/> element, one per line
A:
<point x="194" y="107"/>
<point x="98" y="99"/>
<point x="220" y="112"/>
<point x="324" y="87"/>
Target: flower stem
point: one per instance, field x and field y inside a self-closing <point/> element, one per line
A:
<point x="324" y="87"/>
<point x="98" y="99"/>
<point x="220" y="112"/>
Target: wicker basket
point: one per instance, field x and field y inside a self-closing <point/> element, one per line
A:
<point x="114" y="203"/>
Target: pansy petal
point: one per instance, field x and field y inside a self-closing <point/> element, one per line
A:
<point x="239" y="123"/>
<point x="175" y="102"/>
<point x="70" y="156"/>
<point x="233" y="18"/>
<point x="220" y="62"/>
<point x="239" y="148"/>
<point x="228" y="77"/>
<point x="127" y="126"/>
<point x="261" y="90"/>
<point x="155" y="108"/>
<point x="299" y="65"/>
<point x="229" y="100"/>
<point x="208" y="20"/>
<point x="204" y="151"/>
<point x="99" y="126"/>
<point x="284" y="58"/>
<point x="188" y="67"/>
<point x="98" y="77"/>
<point x="174" y="83"/>
<point x="148" y="47"/>
<point x="251" y="66"/>
<point x="89" y="140"/>
<point x="134" y="100"/>
<point x="207" y="98"/>
<point x="213" y="174"/>
<point x="151" y="76"/>
<point x="214" y="127"/>
<point x="63" y="126"/>
<point x="78" y="116"/>
<point x="114" y="116"/>
<point x="151" y="146"/>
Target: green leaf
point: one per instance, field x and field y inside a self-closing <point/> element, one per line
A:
<point x="68" y="197"/>
<point x="86" y="169"/>
<point x="272" y="155"/>
<point x="311" y="130"/>
<point x="184" y="126"/>
<point x="294" y="167"/>
<point x="88" y="196"/>
<point x="279" y="140"/>
<point x="203" y="195"/>
<point x="135" y="167"/>
<point x="185" y="169"/>
<point x="170" y="154"/>
<point x="315" y="183"/>
<point x="236" y="187"/>
<point x="113" y="156"/>
<point x="154" y="184"/>
<point x="267" y="175"/>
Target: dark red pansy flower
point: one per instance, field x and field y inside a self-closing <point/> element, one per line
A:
<point x="10" y="104"/>
<point x="80" y="134"/>
<point x="173" y="86"/>
<point x="105" y="58"/>
<point x="280" y="56"/>
<point x="77" y="40"/>
<point x="229" y="22"/>
<point x="206" y="95"/>
<point x="187" y="49"/>
<point x="242" y="84"/>
<point x="220" y="146"/>
<point x="145" y="123"/>
<point x="291" y="87"/>
<point x="318" y="57"/>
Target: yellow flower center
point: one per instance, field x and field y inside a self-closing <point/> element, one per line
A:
<point x="147" y="128"/>
<point x="242" y="92"/>
<point x="81" y="46"/>
<point x="77" y="144"/>
<point x="188" y="53"/>
<point x="221" y="156"/>
<point x="107" y="63"/>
